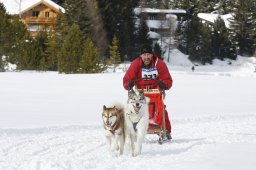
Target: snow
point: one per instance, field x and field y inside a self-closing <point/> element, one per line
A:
<point x="137" y="11"/>
<point x="154" y="35"/>
<point x="12" y="6"/>
<point x="26" y="4"/>
<point x="52" y="121"/>
<point x="212" y="17"/>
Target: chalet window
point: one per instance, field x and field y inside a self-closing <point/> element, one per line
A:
<point x="35" y="13"/>
<point x="33" y="27"/>
<point x="152" y="16"/>
<point x="47" y="14"/>
<point x="152" y="29"/>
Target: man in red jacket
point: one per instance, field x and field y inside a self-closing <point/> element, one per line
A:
<point x="148" y="65"/>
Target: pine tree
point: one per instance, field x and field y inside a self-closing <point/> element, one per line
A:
<point x="220" y="42"/>
<point x="77" y="13"/>
<point x="42" y="58"/>
<point x="52" y="49"/>
<point x="192" y="38"/>
<point x="114" y="53"/>
<point x="3" y="29"/>
<point x="224" y="6"/>
<point x="242" y="27"/>
<point x="150" y="4"/>
<point x="1" y="64"/>
<point x="127" y="24"/>
<point x="71" y="51"/>
<point x="15" y="33"/>
<point x="119" y="20"/>
<point x="88" y="16"/>
<point x="143" y="36"/>
<point x="60" y="2"/>
<point x="29" y="51"/>
<point x="199" y="41"/>
<point x="158" y="50"/>
<point x="4" y="25"/>
<point x="205" y="45"/>
<point x="205" y="6"/>
<point x="89" y="62"/>
<point x="254" y="24"/>
<point x="61" y="27"/>
<point x="55" y="41"/>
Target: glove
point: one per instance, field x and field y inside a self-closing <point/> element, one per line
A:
<point x="131" y="84"/>
<point x="161" y="85"/>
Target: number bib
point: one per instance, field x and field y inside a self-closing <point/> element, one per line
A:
<point x="149" y="73"/>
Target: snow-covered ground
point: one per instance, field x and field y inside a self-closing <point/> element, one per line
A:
<point x="52" y="121"/>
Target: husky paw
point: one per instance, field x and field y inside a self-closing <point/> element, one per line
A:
<point x="136" y="152"/>
<point x="114" y="148"/>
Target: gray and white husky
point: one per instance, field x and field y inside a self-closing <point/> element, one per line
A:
<point x="113" y="122"/>
<point x="136" y="121"/>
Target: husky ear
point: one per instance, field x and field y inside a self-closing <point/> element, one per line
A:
<point x="116" y="108"/>
<point x="130" y="93"/>
<point x="104" y="107"/>
<point x="142" y="92"/>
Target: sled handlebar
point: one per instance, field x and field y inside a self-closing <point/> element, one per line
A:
<point x="157" y="81"/>
<point x="147" y="79"/>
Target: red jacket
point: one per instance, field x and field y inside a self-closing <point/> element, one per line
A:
<point x="158" y="69"/>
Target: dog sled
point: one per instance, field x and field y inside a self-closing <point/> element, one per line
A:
<point x="155" y="105"/>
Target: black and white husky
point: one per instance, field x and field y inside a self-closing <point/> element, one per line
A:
<point x="136" y="121"/>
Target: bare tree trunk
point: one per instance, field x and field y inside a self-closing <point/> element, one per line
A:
<point x="99" y="34"/>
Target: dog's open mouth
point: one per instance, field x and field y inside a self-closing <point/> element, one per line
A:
<point x="136" y="108"/>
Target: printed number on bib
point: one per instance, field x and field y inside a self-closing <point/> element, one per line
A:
<point x="149" y="73"/>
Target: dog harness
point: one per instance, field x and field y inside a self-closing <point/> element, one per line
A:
<point x="134" y="124"/>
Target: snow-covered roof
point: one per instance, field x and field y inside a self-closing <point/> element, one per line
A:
<point x="212" y="17"/>
<point x="137" y="11"/>
<point x="154" y="35"/>
<point x="12" y="6"/>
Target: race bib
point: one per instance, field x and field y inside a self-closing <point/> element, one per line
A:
<point x="149" y="73"/>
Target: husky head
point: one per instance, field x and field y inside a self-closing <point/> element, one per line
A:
<point x="136" y="100"/>
<point x="110" y="116"/>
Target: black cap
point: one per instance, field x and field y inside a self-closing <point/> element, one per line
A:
<point x="146" y="49"/>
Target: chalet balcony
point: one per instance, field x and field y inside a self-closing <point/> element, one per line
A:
<point x="39" y="20"/>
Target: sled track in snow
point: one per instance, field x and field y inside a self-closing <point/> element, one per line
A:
<point x="84" y="147"/>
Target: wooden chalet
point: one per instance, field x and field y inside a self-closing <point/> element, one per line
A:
<point x="157" y="19"/>
<point x="39" y="15"/>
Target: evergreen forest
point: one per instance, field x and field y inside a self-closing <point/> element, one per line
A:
<point x="91" y="35"/>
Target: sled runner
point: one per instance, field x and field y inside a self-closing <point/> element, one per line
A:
<point x="156" y="109"/>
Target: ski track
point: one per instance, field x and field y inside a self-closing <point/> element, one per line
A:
<point x="84" y="147"/>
